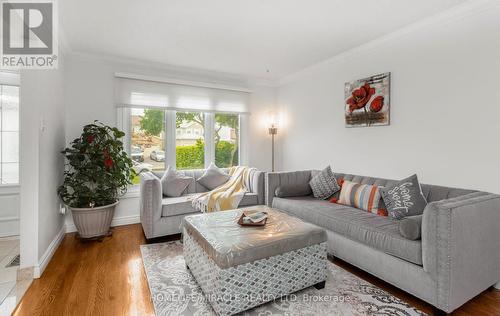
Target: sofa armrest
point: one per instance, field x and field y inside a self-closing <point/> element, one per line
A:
<point x="461" y="249"/>
<point x="275" y="179"/>
<point x="257" y="185"/>
<point x="150" y="202"/>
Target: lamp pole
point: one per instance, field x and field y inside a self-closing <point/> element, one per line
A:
<point x="273" y="130"/>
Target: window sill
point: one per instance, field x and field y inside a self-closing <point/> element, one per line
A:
<point x="133" y="191"/>
<point x="9" y="189"/>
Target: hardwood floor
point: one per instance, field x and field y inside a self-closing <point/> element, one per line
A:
<point x="92" y="278"/>
<point x="107" y="278"/>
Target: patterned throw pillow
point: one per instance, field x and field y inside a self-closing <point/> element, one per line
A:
<point x="363" y="196"/>
<point x="335" y="197"/>
<point x="404" y="198"/>
<point x="324" y="184"/>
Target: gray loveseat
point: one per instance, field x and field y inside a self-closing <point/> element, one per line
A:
<point x="161" y="215"/>
<point x="457" y="258"/>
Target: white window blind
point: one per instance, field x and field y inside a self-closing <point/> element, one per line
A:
<point x="131" y="92"/>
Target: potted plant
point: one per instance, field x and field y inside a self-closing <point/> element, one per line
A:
<point x="97" y="172"/>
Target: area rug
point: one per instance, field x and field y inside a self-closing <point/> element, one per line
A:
<point x="174" y="291"/>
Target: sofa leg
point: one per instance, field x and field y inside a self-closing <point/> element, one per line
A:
<point x="438" y="312"/>
<point x="320" y="285"/>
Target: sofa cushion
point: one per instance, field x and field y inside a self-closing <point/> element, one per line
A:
<point x="300" y="189"/>
<point x="324" y="184"/>
<point x="379" y="232"/>
<point x="411" y="227"/>
<point x="362" y="196"/>
<point x="172" y="206"/>
<point x="404" y="198"/>
<point x="213" y="177"/>
<point x="249" y="199"/>
<point x="174" y="183"/>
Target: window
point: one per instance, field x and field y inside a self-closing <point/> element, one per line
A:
<point x="194" y="139"/>
<point x="186" y="125"/>
<point x="9" y="134"/>
<point x="189" y="146"/>
<point x="147" y="140"/>
<point x="226" y="135"/>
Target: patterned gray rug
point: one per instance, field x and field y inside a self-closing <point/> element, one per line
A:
<point x="174" y="291"/>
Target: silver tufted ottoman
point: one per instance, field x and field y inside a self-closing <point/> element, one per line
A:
<point x="242" y="267"/>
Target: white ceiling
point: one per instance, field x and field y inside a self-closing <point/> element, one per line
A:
<point x="244" y="37"/>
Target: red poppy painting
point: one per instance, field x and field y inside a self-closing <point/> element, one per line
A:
<point x="367" y="101"/>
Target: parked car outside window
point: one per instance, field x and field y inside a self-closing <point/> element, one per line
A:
<point x="137" y="154"/>
<point x="157" y="155"/>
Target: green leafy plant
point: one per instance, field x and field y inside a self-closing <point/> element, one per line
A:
<point x="98" y="170"/>
<point x="153" y="122"/>
<point x="192" y="156"/>
<point x="226" y="154"/>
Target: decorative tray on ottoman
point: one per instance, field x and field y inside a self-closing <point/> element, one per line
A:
<point x="239" y="268"/>
<point x="250" y="223"/>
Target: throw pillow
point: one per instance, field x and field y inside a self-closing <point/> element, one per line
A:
<point x="324" y="184"/>
<point x="213" y="177"/>
<point x="340" y="181"/>
<point x="293" y="190"/>
<point x="174" y="183"/>
<point x="363" y="196"/>
<point x="404" y="198"/>
<point x="411" y="227"/>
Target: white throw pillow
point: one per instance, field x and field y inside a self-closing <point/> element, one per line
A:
<point x="174" y="183"/>
<point x="213" y="177"/>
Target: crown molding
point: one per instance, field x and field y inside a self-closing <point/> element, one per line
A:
<point x="466" y="9"/>
<point x="179" y="72"/>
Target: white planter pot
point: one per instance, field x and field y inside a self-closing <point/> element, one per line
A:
<point x="93" y="222"/>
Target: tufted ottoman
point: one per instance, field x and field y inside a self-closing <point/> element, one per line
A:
<point x="242" y="267"/>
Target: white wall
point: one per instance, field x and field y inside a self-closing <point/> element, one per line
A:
<point x="263" y="101"/>
<point x="89" y="94"/>
<point x="42" y="164"/>
<point x="445" y="107"/>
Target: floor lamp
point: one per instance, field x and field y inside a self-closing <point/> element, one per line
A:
<point x="273" y="130"/>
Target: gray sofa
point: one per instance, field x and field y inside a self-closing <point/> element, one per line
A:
<point x="161" y="216"/>
<point x="457" y="258"/>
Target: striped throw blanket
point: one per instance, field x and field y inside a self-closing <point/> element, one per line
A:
<point x="229" y="195"/>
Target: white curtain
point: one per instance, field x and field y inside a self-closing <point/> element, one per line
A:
<point x="144" y="93"/>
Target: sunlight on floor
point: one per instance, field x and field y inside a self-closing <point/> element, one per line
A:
<point x="135" y="279"/>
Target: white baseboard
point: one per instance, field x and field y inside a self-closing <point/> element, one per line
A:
<point x="126" y="220"/>
<point x="45" y="259"/>
<point x="117" y="221"/>
<point x="497" y="286"/>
